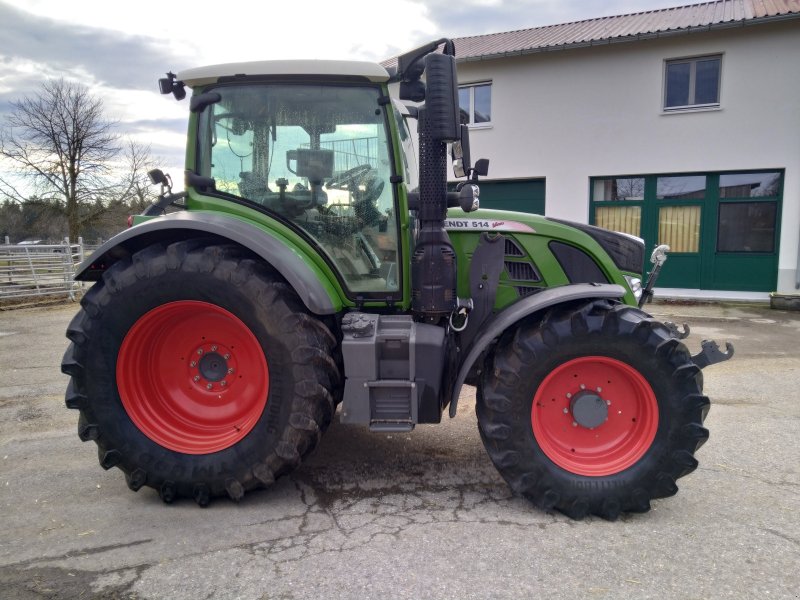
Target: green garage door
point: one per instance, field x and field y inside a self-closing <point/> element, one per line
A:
<point x="522" y="195"/>
<point x="723" y="228"/>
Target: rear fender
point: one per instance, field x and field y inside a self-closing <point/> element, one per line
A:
<point x="495" y="327"/>
<point x="310" y="283"/>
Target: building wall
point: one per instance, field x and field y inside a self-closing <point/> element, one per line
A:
<point x="573" y="114"/>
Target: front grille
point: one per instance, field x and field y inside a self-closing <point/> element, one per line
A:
<point x="512" y="249"/>
<point x="526" y="290"/>
<point x="521" y="271"/>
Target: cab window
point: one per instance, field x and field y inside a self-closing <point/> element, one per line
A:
<point x="315" y="156"/>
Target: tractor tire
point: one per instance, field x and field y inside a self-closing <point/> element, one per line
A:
<point x="198" y="373"/>
<point x="595" y="409"/>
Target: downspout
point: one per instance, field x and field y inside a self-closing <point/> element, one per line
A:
<point x="797" y="267"/>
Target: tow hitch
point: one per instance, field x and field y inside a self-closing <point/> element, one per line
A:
<point x="711" y="354"/>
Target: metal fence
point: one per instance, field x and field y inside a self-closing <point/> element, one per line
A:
<point x="39" y="270"/>
<point x="351" y="153"/>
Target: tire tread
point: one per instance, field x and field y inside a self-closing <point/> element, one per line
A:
<point x="505" y="428"/>
<point x="311" y="363"/>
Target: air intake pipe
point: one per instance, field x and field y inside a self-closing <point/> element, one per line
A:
<point x="433" y="263"/>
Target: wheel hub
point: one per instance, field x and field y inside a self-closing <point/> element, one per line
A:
<point x="588" y="409"/>
<point x="213" y="367"/>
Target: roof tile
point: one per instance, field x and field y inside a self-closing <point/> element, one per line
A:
<point x="630" y="27"/>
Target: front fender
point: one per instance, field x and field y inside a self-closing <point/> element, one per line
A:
<point x="495" y="327"/>
<point x="310" y="283"/>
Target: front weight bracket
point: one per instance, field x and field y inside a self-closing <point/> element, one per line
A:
<point x="711" y="354"/>
<point x="677" y="333"/>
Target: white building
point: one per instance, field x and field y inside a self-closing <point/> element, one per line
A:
<point x="679" y="125"/>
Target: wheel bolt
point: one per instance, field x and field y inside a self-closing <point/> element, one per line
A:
<point x="574" y="423"/>
<point x="230" y="371"/>
<point x="196" y="377"/>
<point x="193" y="363"/>
<point x="199" y="351"/>
<point x="209" y="386"/>
<point x="583" y="387"/>
<point x="227" y="357"/>
<point x="599" y="390"/>
<point x="213" y="348"/>
<point x="608" y="402"/>
<point x="569" y="395"/>
<point x="223" y="383"/>
<point x="566" y="411"/>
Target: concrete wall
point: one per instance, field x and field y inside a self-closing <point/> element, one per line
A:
<point x="570" y="115"/>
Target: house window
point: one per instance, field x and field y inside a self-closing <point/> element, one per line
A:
<point x="623" y="198"/>
<point x="748" y="211"/>
<point x="747" y="227"/>
<point x="475" y="102"/>
<point x="682" y="187"/>
<point x="679" y="227"/>
<point x="692" y="82"/>
<point x="619" y="188"/>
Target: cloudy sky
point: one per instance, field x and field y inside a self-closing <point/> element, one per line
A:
<point x="120" y="49"/>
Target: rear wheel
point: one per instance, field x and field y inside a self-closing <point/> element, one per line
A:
<point x="197" y="373"/>
<point x="596" y="409"/>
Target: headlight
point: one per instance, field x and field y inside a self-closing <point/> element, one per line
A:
<point x="636" y="286"/>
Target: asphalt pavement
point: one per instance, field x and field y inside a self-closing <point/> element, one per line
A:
<point x="414" y="515"/>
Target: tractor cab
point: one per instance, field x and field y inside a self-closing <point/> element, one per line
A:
<point x="310" y="150"/>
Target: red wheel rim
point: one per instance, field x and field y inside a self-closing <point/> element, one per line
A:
<point x="192" y="377"/>
<point x="601" y="449"/>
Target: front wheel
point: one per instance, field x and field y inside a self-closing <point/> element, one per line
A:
<point x="197" y="372"/>
<point x="596" y="409"/>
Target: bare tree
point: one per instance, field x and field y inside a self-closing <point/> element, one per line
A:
<point x="135" y="189"/>
<point x="61" y="142"/>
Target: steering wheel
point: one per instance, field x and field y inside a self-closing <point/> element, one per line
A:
<point x="347" y="178"/>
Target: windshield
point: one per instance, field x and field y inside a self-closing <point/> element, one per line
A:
<point x="318" y="156"/>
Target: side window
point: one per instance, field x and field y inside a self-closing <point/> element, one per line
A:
<point x="692" y="82"/>
<point x="748" y="212"/>
<point x="410" y="164"/>
<point x="475" y="102"/>
<point x="318" y="157"/>
<point x="619" y="204"/>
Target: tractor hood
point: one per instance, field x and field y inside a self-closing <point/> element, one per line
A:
<point x="625" y="250"/>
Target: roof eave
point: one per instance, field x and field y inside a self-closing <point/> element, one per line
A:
<point x="634" y="38"/>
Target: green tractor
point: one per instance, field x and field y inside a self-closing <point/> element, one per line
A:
<point x="315" y="260"/>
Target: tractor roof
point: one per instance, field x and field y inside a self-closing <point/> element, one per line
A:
<point x="201" y="76"/>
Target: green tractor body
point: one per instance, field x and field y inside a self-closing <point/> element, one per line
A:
<point x="317" y="259"/>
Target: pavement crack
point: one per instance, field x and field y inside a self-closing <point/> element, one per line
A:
<point x="736" y="471"/>
<point x="781" y="535"/>
<point x="78" y="553"/>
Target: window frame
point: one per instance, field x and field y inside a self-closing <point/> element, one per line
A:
<point x="471" y="87"/>
<point x="775" y="199"/>
<point x="692" y="61"/>
<point x="200" y="121"/>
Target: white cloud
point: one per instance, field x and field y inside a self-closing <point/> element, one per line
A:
<point x="213" y="32"/>
<point x="137" y="105"/>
